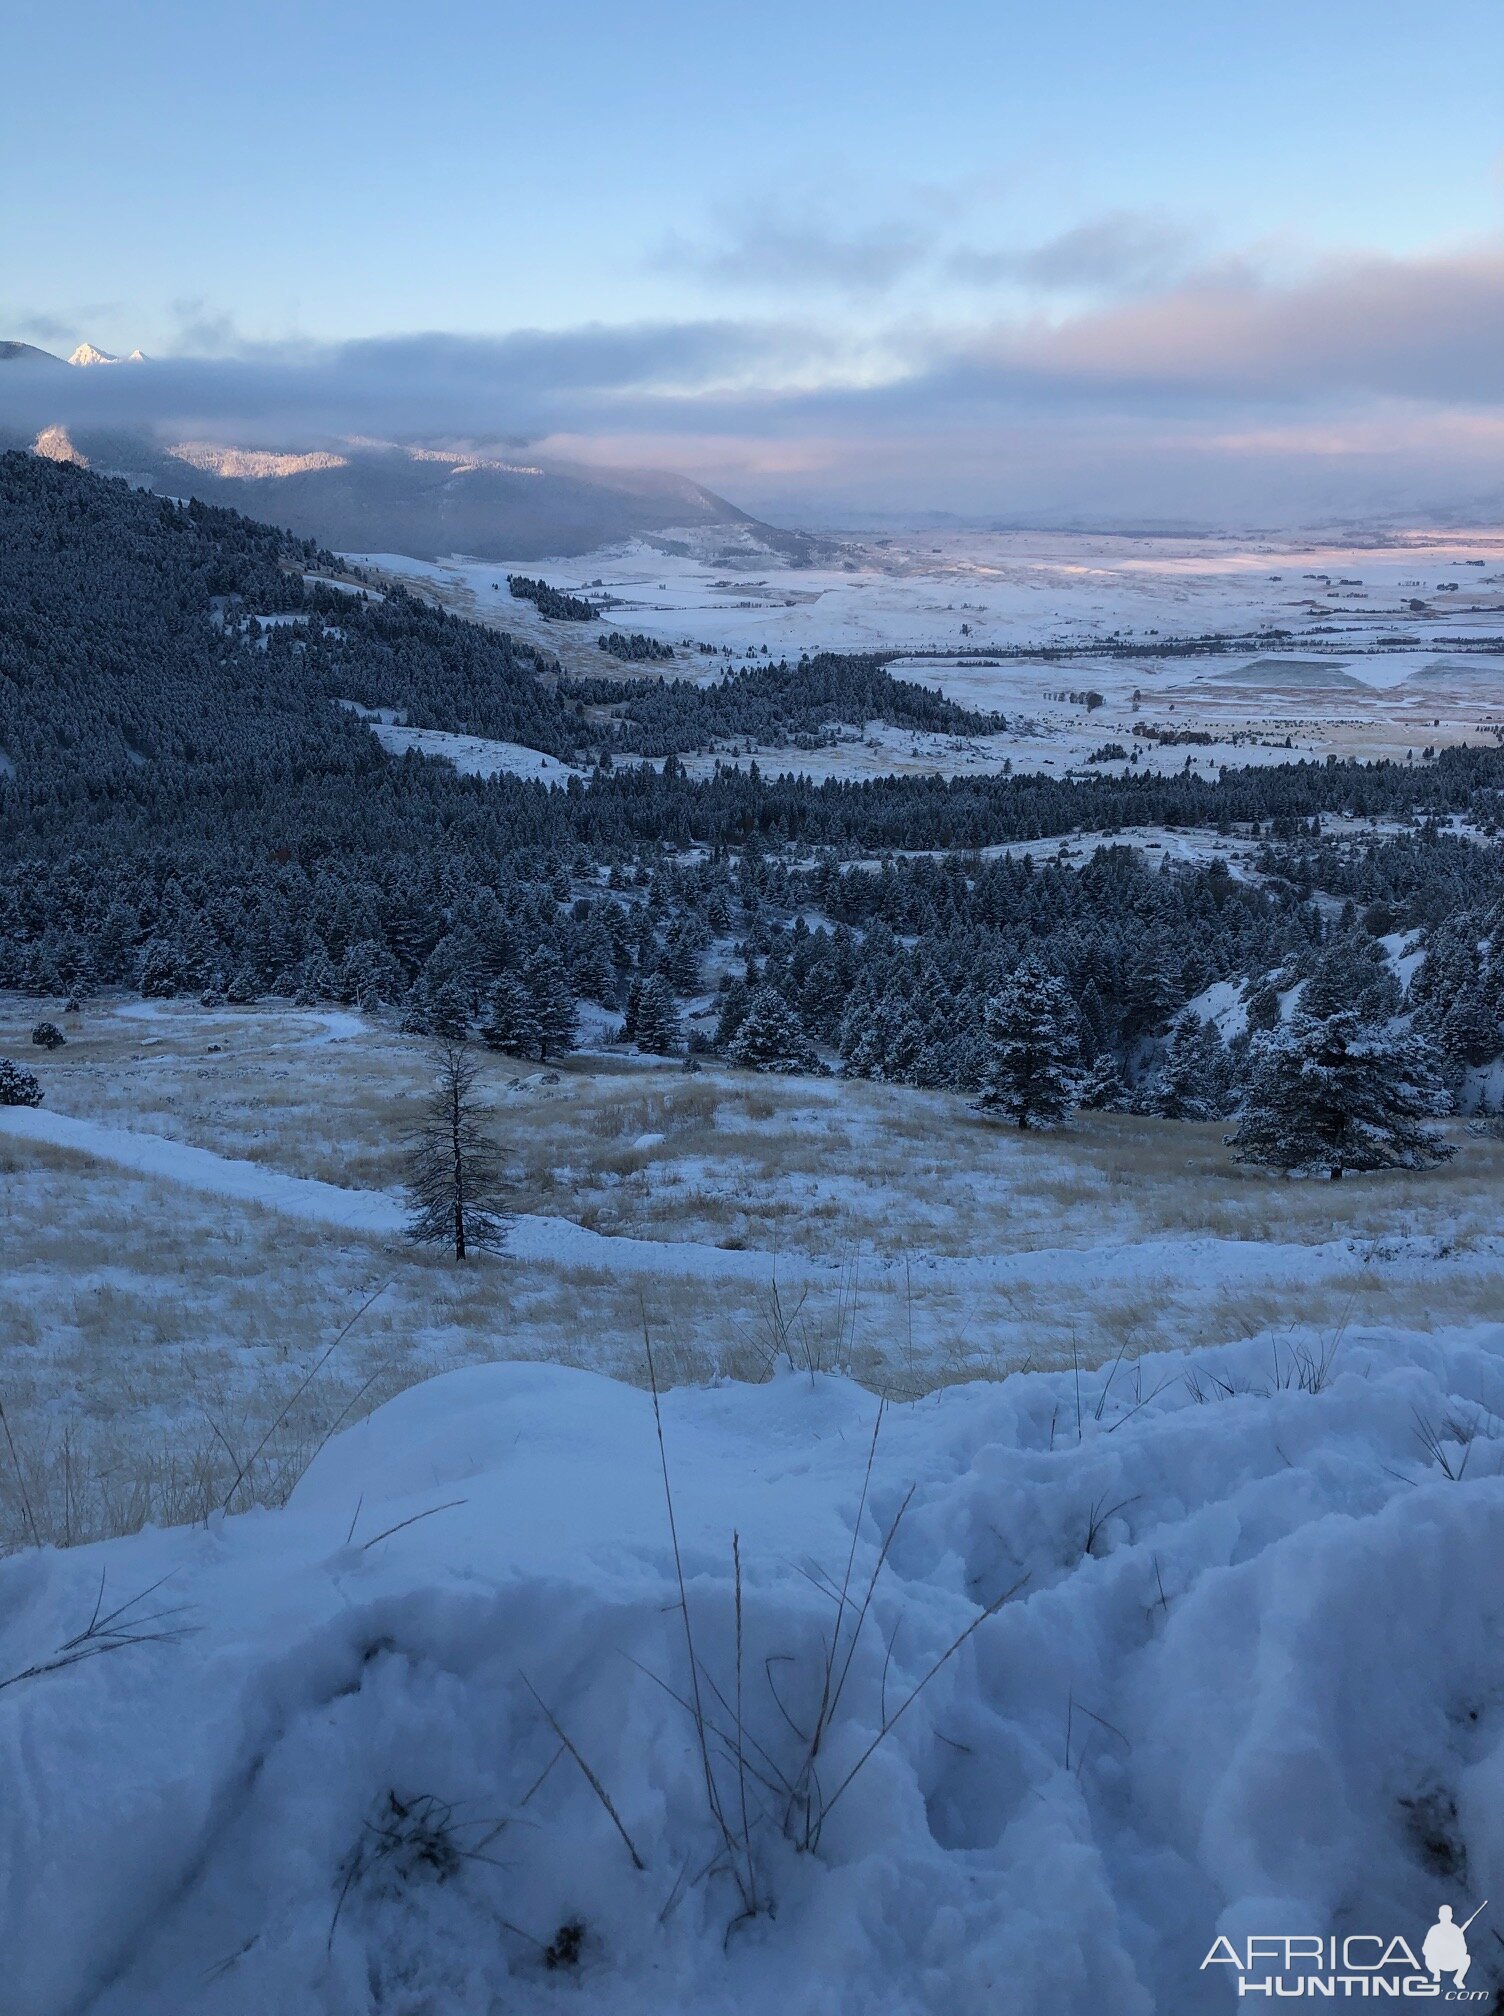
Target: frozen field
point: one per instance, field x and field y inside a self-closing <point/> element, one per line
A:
<point x="1011" y="588"/>
<point x="207" y="1198"/>
<point x="1365" y="673"/>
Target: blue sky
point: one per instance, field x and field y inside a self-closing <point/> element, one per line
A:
<point x="834" y="234"/>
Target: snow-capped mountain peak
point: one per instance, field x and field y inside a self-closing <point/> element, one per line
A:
<point x="87" y="353"/>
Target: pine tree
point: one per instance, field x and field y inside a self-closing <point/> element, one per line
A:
<point x="1468" y="1032"/>
<point x="18" y="1087"/>
<point x="736" y="998"/>
<point x="681" y="956"/>
<point x="509" y="1022"/>
<point x="1335" y="1095"/>
<point x="1353" y="977"/>
<point x="629" y="1012"/>
<point x="657" y="1028"/>
<point x="1033" y="1069"/>
<point x="455" y="1182"/>
<point x="1190" y="1083"/>
<point x="369" y="975"/>
<point x="446" y="1011"/>
<point x="905" y="1051"/>
<point x="161" y="973"/>
<point x="1261" y="1001"/>
<point x="867" y="1031"/>
<point x="771" y="1036"/>
<point x="594" y="963"/>
<point x="553" y="1005"/>
<point x="317" y="979"/>
<point x="1104" y="1090"/>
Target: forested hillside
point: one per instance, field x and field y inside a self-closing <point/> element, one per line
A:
<point x="776" y="704"/>
<point x="185" y="807"/>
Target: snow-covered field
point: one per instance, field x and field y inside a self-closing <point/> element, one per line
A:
<point x="1364" y="674"/>
<point x="1022" y="1704"/>
<point x="207" y="1198"/>
<point x="1164" y="1607"/>
<point x="1010" y="588"/>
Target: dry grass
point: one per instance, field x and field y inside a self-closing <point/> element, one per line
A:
<point x="627" y="1146"/>
<point x="150" y="1337"/>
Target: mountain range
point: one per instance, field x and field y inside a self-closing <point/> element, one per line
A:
<point x="387" y="497"/>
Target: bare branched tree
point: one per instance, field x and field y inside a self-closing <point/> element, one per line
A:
<point x="456" y="1187"/>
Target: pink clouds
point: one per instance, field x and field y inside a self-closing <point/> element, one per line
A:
<point x="1369" y="383"/>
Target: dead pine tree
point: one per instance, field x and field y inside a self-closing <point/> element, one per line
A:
<point x="456" y="1188"/>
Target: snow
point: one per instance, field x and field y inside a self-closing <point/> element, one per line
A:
<point x="1405" y="955"/>
<point x="1193" y="1714"/>
<point x="475" y="755"/>
<point x="1160" y="1267"/>
<point x="1222" y="1004"/>
<point x="1362" y="674"/>
<point x="304" y="1025"/>
<point x="201" y="1169"/>
<point x="1059" y="588"/>
<point x="1195" y="846"/>
<point x="357" y="588"/>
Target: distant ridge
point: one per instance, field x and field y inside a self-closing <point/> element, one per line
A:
<point x="12" y="352"/>
<point x="375" y="497"/>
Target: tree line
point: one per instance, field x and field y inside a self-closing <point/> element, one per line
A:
<point x="185" y="810"/>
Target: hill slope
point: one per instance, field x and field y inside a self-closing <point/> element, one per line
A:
<point x="375" y="498"/>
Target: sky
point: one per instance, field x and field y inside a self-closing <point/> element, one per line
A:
<point x="1085" y="260"/>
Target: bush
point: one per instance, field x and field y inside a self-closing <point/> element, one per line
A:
<point x="47" y="1036"/>
<point x="18" y="1087"/>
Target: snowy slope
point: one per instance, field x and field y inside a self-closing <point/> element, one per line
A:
<point x="1248" y="1679"/>
<point x="476" y="755"/>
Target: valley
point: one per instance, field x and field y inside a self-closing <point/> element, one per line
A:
<point x="1217" y="652"/>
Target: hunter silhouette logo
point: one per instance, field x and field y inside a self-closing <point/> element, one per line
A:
<point x="1445" y="1949"/>
<point x="1359" y="1963"/>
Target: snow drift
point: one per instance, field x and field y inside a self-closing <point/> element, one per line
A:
<point x="402" y="1745"/>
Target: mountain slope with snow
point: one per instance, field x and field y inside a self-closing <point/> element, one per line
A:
<point x="372" y="496"/>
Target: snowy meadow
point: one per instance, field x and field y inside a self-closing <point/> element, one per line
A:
<point x="211" y="1196"/>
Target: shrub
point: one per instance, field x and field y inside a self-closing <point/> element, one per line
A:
<point x="17" y="1086"/>
<point x="47" y="1036"/>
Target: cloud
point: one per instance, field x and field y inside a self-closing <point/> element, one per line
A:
<point x="802" y="250"/>
<point x="202" y="329"/>
<point x="420" y="385"/>
<point x="1361" y="378"/>
<point x="43" y="326"/>
<point x="1427" y="328"/>
<point x="804" y="246"/>
<point x="1126" y="249"/>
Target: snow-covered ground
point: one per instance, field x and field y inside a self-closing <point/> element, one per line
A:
<point x="1155" y="1266"/>
<point x="207" y="1200"/>
<point x="1119" y="1665"/>
<point x="1365" y="673"/>
<point x="475" y="755"/>
<point x="916" y="591"/>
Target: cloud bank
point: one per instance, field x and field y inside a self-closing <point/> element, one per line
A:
<point x="1215" y="392"/>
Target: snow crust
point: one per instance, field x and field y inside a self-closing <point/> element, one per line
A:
<point x="1247" y="1680"/>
